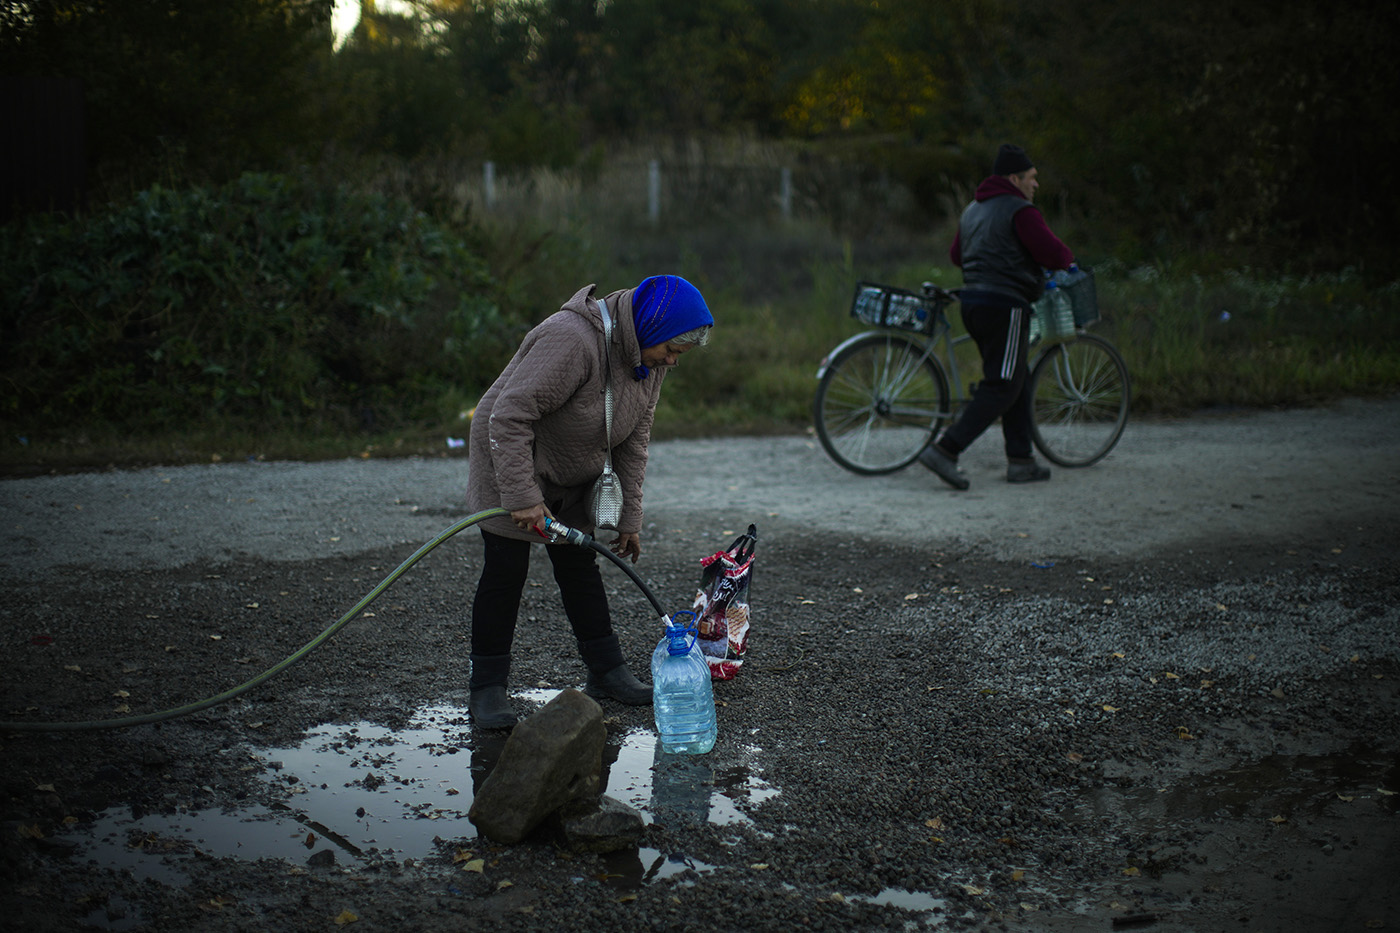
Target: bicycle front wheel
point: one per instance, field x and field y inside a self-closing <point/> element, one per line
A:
<point x="879" y="402"/>
<point x="1081" y="393"/>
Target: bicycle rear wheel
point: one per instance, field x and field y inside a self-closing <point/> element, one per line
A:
<point x="1081" y="391"/>
<point x="878" y="403"/>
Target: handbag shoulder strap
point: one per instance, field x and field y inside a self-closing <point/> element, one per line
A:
<point x="607" y="374"/>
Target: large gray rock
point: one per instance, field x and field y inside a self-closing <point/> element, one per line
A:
<point x="605" y="825"/>
<point x="550" y="759"/>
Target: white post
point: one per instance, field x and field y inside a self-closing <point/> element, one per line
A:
<point x="488" y="184"/>
<point x="654" y="191"/>
<point x="785" y="193"/>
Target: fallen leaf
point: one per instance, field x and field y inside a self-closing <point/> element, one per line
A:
<point x="909" y="596"/>
<point x="1017" y="875"/>
<point x="121" y="708"/>
<point x="1345" y="799"/>
<point x="1028" y="907"/>
<point x="1132" y="872"/>
<point x="477" y="865"/>
<point x="1110" y="709"/>
<point x="1170" y="676"/>
<point x="1384" y="792"/>
<point x="73" y="667"/>
<point x="973" y="889"/>
<point x="345" y="917"/>
<point x="759" y="866"/>
<point x="934" y="823"/>
<point x="122" y="694"/>
<point x="310" y="841"/>
<point x="1278" y="819"/>
<point x="1183" y="733"/>
<point x="1074" y="756"/>
<point x="627" y="898"/>
<point x="505" y="884"/>
<point x="1119" y="655"/>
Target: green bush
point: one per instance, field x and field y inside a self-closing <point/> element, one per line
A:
<point x="267" y="300"/>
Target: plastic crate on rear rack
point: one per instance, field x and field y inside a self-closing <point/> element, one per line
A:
<point x="886" y="306"/>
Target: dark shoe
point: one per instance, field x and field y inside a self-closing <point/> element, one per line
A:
<point x="618" y="684"/>
<point x="1026" y="473"/>
<point x="945" y="466"/>
<point x="490" y="708"/>
<point x="489" y="705"/>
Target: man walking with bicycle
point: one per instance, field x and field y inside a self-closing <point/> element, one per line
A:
<point x="1002" y="245"/>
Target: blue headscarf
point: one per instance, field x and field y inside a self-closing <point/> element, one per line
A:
<point x="666" y="306"/>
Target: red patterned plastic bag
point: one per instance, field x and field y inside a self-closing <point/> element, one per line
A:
<point x="722" y="605"/>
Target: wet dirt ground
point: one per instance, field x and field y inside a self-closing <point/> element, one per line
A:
<point x="1157" y="694"/>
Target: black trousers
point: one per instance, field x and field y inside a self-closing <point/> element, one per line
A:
<point x="1001" y="333"/>
<point x="497" y="601"/>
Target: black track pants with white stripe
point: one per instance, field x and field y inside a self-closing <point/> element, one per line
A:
<point x="1001" y="333"/>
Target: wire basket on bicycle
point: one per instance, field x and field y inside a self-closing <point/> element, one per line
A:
<point x="887" y="306"/>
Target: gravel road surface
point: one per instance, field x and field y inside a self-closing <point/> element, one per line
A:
<point x="1158" y="693"/>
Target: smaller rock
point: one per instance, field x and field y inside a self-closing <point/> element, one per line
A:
<point x="323" y="859"/>
<point x="606" y="826"/>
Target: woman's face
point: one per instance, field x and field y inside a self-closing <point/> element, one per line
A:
<point x="663" y="354"/>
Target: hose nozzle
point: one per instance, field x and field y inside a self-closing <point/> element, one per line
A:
<point x="556" y="531"/>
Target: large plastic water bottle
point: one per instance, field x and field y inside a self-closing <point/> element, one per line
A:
<point x="682" y="696"/>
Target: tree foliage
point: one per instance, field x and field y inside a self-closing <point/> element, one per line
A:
<point x="1240" y="133"/>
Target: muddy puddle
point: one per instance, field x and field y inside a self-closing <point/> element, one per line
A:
<point x="363" y="791"/>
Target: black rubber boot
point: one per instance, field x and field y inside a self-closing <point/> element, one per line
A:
<point x="608" y="676"/>
<point x="489" y="705"/>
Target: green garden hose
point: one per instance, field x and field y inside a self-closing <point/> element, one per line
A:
<point x="271" y="672"/>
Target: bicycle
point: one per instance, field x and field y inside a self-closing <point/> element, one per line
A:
<point x="883" y="394"/>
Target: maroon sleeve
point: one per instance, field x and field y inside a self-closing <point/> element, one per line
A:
<point x="1045" y="248"/>
<point x="955" y="251"/>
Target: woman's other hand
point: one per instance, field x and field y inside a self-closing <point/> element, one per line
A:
<point x="627" y="545"/>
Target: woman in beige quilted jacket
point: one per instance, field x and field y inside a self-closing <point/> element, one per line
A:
<point x="538" y="442"/>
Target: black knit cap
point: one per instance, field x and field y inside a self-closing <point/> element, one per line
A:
<point x="1011" y="160"/>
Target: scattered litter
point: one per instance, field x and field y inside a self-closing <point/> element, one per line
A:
<point x="455" y="442"/>
<point x="1045" y="565"/>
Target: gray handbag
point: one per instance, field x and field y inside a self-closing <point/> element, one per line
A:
<point x="605" y="501"/>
